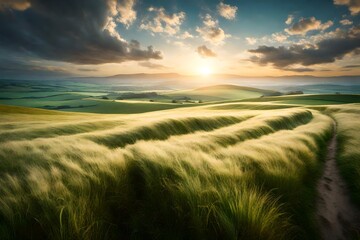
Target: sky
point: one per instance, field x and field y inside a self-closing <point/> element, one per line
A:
<point x="42" y="39"/>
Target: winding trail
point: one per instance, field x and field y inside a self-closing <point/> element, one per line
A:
<point x="336" y="214"/>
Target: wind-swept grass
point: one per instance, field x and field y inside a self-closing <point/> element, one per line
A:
<point x="234" y="175"/>
<point x="347" y="118"/>
<point x="163" y="129"/>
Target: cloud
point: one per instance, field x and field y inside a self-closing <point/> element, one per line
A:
<point x="152" y="65"/>
<point x="303" y="69"/>
<point x="87" y="69"/>
<point x="346" y="22"/>
<point x="122" y="11"/>
<point x="353" y="5"/>
<point x="161" y="22"/>
<point x="289" y="20"/>
<point x="326" y="25"/>
<point x="178" y="43"/>
<point x="211" y="32"/>
<point x="251" y="40"/>
<point x="110" y="26"/>
<point x="69" y="31"/>
<point x="19" y="5"/>
<point x="279" y="37"/>
<point x="205" y="52"/>
<point x="227" y="11"/>
<point x="325" y="51"/>
<point x="352" y="66"/>
<point x="186" y="35"/>
<point x="126" y="12"/>
<point x="25" y="68"/>
<point x="305" y="25"/>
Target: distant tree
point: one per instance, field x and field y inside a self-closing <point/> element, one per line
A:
<point x="200" y="101"/>
<point x="151" y="100"/>
<point x="174" y="101"/>
<point x="104" y="97"/>
<point x="294" y="92"/>
<point x="130" y="95"/>
<point x="119" y="98"/>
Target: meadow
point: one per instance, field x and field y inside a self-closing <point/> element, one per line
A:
<point x="232" y="169"/>
<point x="347" y="119"/>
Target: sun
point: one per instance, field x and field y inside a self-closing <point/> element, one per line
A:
<point x="205" y="71"/>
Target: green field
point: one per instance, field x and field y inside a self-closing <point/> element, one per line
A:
<point x="232" y="169"/>
<point x="311" y="99"/>
<point x="222" y="92"/>
<point x="347" y="119"/>
<point x="83" y="98"/>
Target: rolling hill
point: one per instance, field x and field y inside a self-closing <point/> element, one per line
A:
<point x="223" y="92"/>
<point x="224" y="170"/>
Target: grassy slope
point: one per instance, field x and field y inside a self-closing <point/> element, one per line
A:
<point x="124" y="107"/>
<point x="92" y="105"/>
<point x="231" y="174"/>
<point x="222" y="92"/>
<point x="311" y="99"/>
<point x="347" y="118"/>
<point x="50" y="97"/>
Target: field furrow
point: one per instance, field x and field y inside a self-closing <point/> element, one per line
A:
<point x="244" y="175"/>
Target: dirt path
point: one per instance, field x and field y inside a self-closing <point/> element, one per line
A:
<point x="337" y="216"/>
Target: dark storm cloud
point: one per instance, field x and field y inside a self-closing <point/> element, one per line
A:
<point x="15" y="68"/>
<point x="76" y="31"/>
<point x="325" y="51"/>
<point x="87" y="70"/>
<point x="299" y="69"/>
<point x="305" y="25"/>
<point x="352" y="66"/>
<point x="14" y="4"/>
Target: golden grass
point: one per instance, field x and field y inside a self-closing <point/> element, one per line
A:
<point x="347" y="118"/>
<point x="179" y="174"/>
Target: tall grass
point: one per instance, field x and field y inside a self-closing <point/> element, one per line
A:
<point x="348" y="159"/>
<point x="165" y="128"/>
<point x="213" y="177"/>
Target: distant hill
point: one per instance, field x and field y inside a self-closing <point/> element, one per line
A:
<point x="148" y="76"/>
<point x="324" y="88"/>
<point x="223" y="92"/>
<point x="167" y="81"/>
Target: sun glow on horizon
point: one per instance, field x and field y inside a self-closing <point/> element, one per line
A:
<point x="205" y="71"/>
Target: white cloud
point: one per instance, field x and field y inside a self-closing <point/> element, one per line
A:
<point x="162" y="22"/>
<point x="305" y="25"/>
<point x="127" y="14"/>
<point x="111" y="28"/>
<point x="326" y="25"/>
<point x="289" y="20"/>
<point x="208" y="21"/>
<point x="279" y="37"/>
<point x="186" y="35"/>
<point x="354" y="5"/>
<point x="211" y="32"/>
<point x="227" y="11"/>
<point x="251" y="40"/>
<point x="346" y="22"/>
<point x="179" y="44"/>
